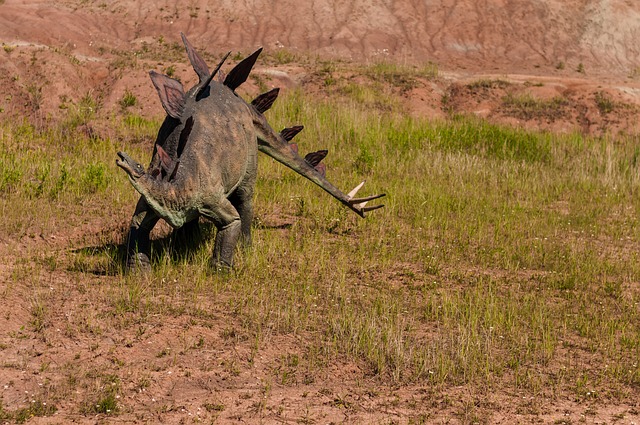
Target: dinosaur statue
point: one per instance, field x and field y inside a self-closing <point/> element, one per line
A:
<point x="205" y="160"/>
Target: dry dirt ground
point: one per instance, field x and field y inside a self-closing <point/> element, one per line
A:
<point x="181" y="371"/>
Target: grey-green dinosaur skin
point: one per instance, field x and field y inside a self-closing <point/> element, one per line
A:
<point x="215" y="178"/>
<point x="210" y="135"/>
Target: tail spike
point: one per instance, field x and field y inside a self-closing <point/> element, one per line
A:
<point x="355" y="190"/>
<point x="364" y="200"/>
<point x="359" y="204"/>
<point x="371" y="208"/>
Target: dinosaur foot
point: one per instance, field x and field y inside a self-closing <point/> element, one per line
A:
<point x="220" y="267"/>
<point x="138" y="263"/>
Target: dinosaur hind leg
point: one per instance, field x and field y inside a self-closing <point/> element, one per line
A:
<point x="242" y="200"/>
<point x="227" y="220"/>
<point x="138" y="244"/>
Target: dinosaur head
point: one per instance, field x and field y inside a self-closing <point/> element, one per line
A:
<point x="146" y="183"/>
<point x="138" y="176"/>
<point x="134" y="169"/>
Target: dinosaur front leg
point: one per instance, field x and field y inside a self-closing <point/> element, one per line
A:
<point x="138" y="243"/>
<point x="227" y="220"/>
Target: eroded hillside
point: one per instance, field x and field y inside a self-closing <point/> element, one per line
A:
<point x="500" y="35"/>
<point x="56" y="53"/>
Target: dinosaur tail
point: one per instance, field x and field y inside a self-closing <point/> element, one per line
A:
<point x="276" y="146"/>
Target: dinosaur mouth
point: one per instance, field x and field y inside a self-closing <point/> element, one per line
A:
<point x="131" y="166"/>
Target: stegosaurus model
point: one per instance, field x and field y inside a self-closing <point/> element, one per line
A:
<point x="205" y="160"/>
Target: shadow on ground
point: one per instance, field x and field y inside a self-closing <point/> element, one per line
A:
<point x="109" y="259"/>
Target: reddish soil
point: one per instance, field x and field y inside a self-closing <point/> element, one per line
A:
<point x="504" y="36"/>
<point x="55" y="52"/>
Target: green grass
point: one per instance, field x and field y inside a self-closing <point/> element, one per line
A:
<point x="128" y="99"/>
<point x="401" y="76"/>
<point x="377" y="85"/>
<point x="485" y="83"/>
<point x="52" y="176"/>
<point x="491" y="242"/>
<point x="604" y="103"/>
<point x="528" y="107"/>
<point x="37" y="408"/>
<point x="282" y="56"/>
<point x="504" y="258"/>
<point x="104" y="396"/>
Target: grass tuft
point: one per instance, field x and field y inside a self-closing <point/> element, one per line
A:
<point x="527" y="107"/>
<point x="128" y="100"/>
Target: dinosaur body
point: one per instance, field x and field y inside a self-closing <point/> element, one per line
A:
<point x="205" y="161"/>
<point x="179" y="199"/>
